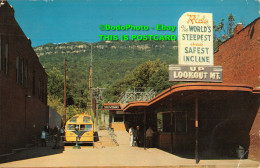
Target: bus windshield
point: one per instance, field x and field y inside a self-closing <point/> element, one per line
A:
<point x="71" y="127"/>
<point x="86" y="127"/>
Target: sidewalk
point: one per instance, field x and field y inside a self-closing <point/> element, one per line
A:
<point x="122" y="155"/>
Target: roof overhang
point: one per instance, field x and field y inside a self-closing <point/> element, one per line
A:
<point x="185" y="92"/>
<point x="137" y="106"/>
<point x="202" y="87"/>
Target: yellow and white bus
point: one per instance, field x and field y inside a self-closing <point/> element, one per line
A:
<point x="84" y="124"/>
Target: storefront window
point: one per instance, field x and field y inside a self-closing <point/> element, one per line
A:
<point x="159" y="122"/>
<point x="179" y="122"/>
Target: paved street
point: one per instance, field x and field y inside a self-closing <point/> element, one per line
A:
<point x="122" y="155"/>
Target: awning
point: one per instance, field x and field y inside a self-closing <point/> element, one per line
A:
<point x="179" y="93"/>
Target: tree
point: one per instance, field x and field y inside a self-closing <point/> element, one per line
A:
<point x="223" y="31"/>
<point x="55" y="103"/>
<point x="160" y="79"/>
<point x="144" y="72"/>
<point x="150" y="74"/>
<point x="56" y="85"/>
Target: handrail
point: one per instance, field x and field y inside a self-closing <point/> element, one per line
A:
<point x="112" y="135"/>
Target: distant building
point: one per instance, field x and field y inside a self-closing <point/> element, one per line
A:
<point x="23" y="86"/>
<point x="116" y="115"/>
<point x="54" y="118"/>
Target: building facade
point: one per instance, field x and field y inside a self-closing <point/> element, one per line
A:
<point x="23" y="86"/>
<point x="240" y="58"/>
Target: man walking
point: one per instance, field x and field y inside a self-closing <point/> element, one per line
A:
<point x="149" y="137"/>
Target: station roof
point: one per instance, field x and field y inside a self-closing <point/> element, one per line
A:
<point x="182" y="92"/>
<point x="256" y="91"/>
<point x="137" y="106"/>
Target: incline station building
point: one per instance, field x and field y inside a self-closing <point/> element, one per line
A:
<point x="228" y="113"/>
<point x="117" y="118"/>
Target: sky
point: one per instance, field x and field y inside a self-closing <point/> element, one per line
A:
<point x="61" y="21"/>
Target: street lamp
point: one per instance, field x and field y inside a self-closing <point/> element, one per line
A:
<point x="77" y="135"/>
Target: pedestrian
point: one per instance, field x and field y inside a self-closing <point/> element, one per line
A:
<point x="62" y="133"/>
<point x="149" y="137"/>
<point x="47" y="128"/>
<point x="56" y="132"/>
<point x="131" y="133"/>
<point x="138" y="136"/>
<point x="43" y="138"/>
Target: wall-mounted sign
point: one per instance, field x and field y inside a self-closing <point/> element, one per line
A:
<point x="111" y="107"/>
<point x="195" y="43"/>
<point x="195" y="73"/>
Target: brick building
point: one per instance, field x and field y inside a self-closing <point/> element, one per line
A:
<point x="23" y="86"/>
<point x="240" y="58"/>
<point x="240" y="55"/>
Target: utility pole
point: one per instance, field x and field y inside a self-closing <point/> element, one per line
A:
<point x="90" y="78"/>
<point x="64" y="106"/>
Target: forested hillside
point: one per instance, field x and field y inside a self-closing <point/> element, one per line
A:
<point x="112" y="60"/>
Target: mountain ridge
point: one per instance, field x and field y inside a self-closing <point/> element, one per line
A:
<point x="112" y="60"/>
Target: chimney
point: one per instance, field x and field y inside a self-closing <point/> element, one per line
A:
<point x="237" y="28"/>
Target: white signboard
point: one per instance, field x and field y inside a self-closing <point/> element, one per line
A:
<point x="195" y="44"/>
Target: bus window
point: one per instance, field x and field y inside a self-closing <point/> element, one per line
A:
<point x="82" y="127"/>
<point x="71" y="127"/>
<point x="86" y="127"/>
<point x="86" y="119"/>
<point x="74" y="119"/>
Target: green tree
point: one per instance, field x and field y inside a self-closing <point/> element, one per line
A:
<point x="55" y="103"/>
<point x="56" y="85"/>
<point x="71" y="111"/>
<point x="160" y="79"/>
<point x="150" y="74"/>
<point x="223" y="30"/>
<point x="144" y="72"/>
